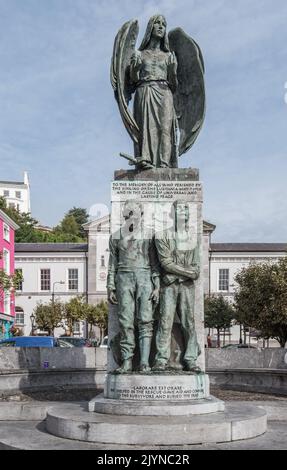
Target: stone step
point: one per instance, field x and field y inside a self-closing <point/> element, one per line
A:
<point x="73" y="421"/>
<point x="155" y="408"/>
<point x="32" y="435"/>
<point x="24" y="411"/>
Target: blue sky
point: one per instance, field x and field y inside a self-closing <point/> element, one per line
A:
<point x="59" y="120"/>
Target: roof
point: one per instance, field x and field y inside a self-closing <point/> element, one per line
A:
<point x="13" y="183"/>
<point x="248" y="247"/>
<point x="51" y="247"/>
<point x="100" y="221"/>
<point x="208" y="227"/>
<point x="8" y="220"/>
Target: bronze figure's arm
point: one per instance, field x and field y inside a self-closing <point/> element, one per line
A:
<point x="167" y="262"/>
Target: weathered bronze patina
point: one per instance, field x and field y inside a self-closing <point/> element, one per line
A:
<point x="133" y="284"/>
<point x="166" y="74"/>
<point x="180" y="263"/>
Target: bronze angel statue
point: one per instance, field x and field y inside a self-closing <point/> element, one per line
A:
<point x="166" y="76"/>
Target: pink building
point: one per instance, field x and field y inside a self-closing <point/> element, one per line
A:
<point x="7" y="264"/>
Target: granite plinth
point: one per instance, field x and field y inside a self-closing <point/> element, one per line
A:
<point x="140" y="387"/>
<point x="157" y="190"/>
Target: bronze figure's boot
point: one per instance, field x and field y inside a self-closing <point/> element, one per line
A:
<point x="126" y="366"/>
<point x="159" y="366"/>
<point x="145" y="345"/>
<point x="191" y="367"/>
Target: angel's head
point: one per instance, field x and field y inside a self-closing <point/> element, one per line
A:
<point x="156" y="28"/>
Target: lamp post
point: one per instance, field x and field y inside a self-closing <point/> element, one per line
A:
<point x="53" y="294"/>
<point x="32" y="318"/>
<point x="53" y="290"/>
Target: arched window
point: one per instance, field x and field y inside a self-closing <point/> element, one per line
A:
<point x="19" y="317"/>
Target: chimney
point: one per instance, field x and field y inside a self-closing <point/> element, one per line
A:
<point x="26" y="178"/>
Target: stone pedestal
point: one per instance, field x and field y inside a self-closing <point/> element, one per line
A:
<point x="157" y="190"/>
<point x="160" y="387"/>
<point x="156" y="395"/>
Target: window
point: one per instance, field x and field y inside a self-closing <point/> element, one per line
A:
<point x="12" y="205"/>
<point x="20" y="284"/>
<point x="102" y="261"/>
<point x="18" y="194"/>
<point x="45" y="279"/>
<point x="6" y="232"/>
<point x="6" y="193"/>
<point x="6" y="261"/>
<point x="73" y="279"/>
<point x="19" y="318"/>
<point x="76" y="328"/>
<point x="223" y="280"/>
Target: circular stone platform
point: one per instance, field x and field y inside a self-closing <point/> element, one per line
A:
<point x="155" y="408"/>
<point x="235" y="423"/>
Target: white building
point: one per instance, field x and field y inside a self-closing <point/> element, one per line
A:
<point x="17" y="194"/>
<point x="49" y="270"/>
<point x="83" y="269"/>
<point x="226" y="260"/>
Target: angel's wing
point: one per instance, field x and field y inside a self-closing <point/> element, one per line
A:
<point x="189" y="98"/>
<point x="124" y="47"/>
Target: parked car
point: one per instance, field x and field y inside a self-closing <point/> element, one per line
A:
<point x="34" y="342"/>
<point x="235" y="346"/>
<point x="76" y="341"/>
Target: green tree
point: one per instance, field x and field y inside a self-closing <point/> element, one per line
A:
<point x="68" y="231"/>
<point x="49" y="316"/>
<point x="218" y="314"/>
<point x="261" y="299"/>
<point x="75" y="310"/>
<point x="97" y="315"/>
<point x="26" y="232"/>
<point x="69" y="225"/>
<point x="81" y="217"/>
<point x="8" y="282"/>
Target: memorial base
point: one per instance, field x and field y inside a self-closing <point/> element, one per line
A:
<point x="235" y="423"/>
<point x="166" y="386"/>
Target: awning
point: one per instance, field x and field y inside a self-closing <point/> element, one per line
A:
<point x="6" y="317"/>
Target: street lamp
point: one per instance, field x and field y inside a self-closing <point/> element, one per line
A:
<point x="32" y="318"/>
